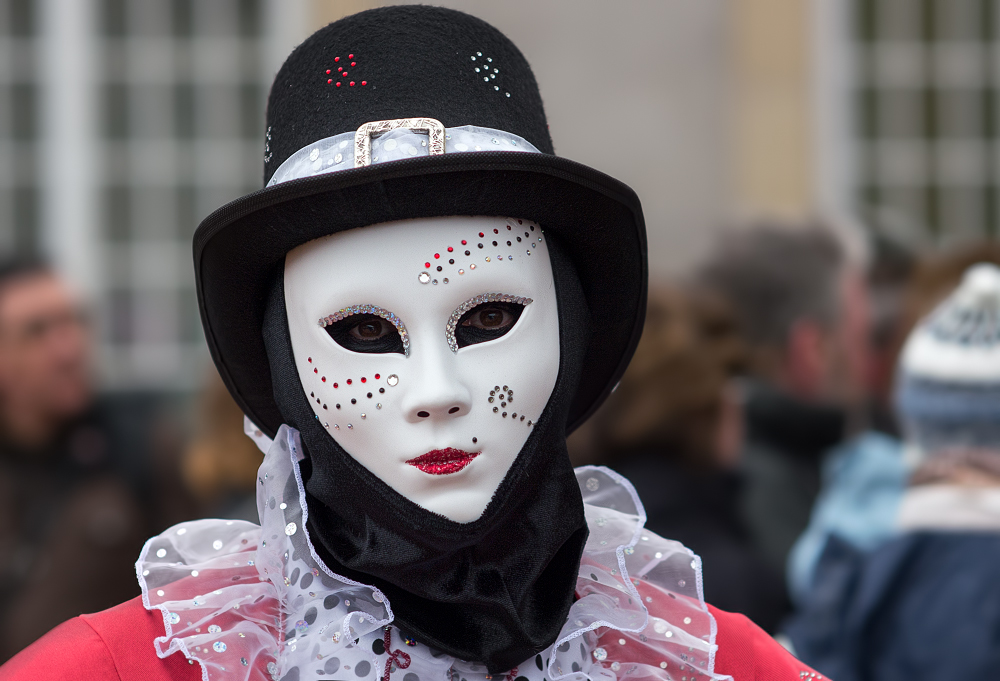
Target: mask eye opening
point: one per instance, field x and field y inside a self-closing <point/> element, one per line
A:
<point x="345" y="327"/>
<point x="465" y="328"/>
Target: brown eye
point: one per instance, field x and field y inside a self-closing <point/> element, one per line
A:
<point x="366" y="333"/>
<point x="487" y="322"/>
<point x="491" y="318"/>
<point x="371" y="329"/>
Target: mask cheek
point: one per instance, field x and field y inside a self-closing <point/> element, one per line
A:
<point x="346" y="393"/>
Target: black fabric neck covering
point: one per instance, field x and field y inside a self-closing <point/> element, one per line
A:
<point x="496" y="590"/>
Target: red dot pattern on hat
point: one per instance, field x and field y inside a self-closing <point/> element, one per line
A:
<point x="343" y="74"/>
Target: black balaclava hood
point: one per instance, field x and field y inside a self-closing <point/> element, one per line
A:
<point x="496" y="590"/>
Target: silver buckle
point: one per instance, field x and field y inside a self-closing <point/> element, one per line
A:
<point x="363" y="137"/>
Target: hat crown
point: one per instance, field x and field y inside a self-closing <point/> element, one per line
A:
<point x="401" y="62"/>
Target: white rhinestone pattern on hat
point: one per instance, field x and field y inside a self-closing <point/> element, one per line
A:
<point x="473" y="302"/>
<point x="378" y="312"/>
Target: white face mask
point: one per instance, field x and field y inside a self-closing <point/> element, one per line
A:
<point x="412" y="364"/>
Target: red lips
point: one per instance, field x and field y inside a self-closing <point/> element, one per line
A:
<point x="443" y="461"/>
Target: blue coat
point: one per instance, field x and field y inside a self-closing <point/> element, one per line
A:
<point x="923" y="606"/>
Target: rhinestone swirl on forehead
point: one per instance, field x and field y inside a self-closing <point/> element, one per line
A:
<point x="473" y="302"/>
<point x="378" y="312"/>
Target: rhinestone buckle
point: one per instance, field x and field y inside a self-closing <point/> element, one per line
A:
<point x="363" y="137"/>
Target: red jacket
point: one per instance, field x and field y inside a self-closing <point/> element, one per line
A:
<point x="117" y="645"/>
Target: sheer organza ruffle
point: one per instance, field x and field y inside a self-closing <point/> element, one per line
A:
<point x="254" y="602"/>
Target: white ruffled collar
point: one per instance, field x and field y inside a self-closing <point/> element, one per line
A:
<point x="238" y="597"/>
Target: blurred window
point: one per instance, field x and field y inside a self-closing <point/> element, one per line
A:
<point x="926" y="115"/>
<point x="19" y="115"/>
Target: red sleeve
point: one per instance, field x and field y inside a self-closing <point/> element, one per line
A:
<point x="747" y="653"/>
<point x="73" y="650"/>
<point x="113" y="645"/>
<point x="744" y="651"/>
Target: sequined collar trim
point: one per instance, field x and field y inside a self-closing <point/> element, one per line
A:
<point x="236" y="597"/>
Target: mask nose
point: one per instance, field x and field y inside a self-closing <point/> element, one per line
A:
<point x="437" y="394"/>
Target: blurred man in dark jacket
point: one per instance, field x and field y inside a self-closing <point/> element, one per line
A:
<point x="802" y="307"/>
<point x="70" y="525"/>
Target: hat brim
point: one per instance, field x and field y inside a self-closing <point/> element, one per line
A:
<point x="596" y="219"/>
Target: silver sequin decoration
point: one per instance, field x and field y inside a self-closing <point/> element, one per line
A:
<point x="378" y="312"/>
<point x="473" y="302"/>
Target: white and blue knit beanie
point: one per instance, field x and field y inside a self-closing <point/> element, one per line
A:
<point x="948" y="382"/>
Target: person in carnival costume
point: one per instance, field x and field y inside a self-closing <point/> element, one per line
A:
<point x="411" y="360"/>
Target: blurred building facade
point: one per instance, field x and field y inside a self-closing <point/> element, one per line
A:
<point x="123" y="123"/>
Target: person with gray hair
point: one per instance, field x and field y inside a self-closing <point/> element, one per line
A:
<point x="801" y="303"/>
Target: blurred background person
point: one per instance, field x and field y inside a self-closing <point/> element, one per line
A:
<point x="863" y="481"/>
<point x="70" y="523"/>
<point x="927" y="604"/>
<point x="802" y="308"/>
<point x="674" y="428"/>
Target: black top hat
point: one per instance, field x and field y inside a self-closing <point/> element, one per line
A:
<point x="414" y="62"/>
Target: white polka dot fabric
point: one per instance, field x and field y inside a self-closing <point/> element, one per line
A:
<point x="337" y="152"/>
<point x="249" y="602"/>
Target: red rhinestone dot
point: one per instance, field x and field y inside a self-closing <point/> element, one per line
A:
<point x="354" y="63"/>
<point x="364" y="380"/>
<point x="450" y="249"/>
<point x="329" y="80"/>
<point x="310" y="360"/>
<point x="427" y="264"/>
<point x="496" y="231"/>
<point x="344" y="73"/>
<point x="338" y="83"/>
<point x="352" y="83"/>
<point x="335" y="385"/>
<point x="328" y="72"/>
<point x="340" y="68"/>
<point x="481" y="235"/>
<point x="323" y="379"/>
<point x="348" y="381"/>
<point x="464" y="242"/>
<point x="364" y="82"/>
<point x="377" y="377"/>
<point x="350" y="56"/>
<point x="437" y="255"/>
<point x="336" y="59"/>
<point x="315" y="371"/>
